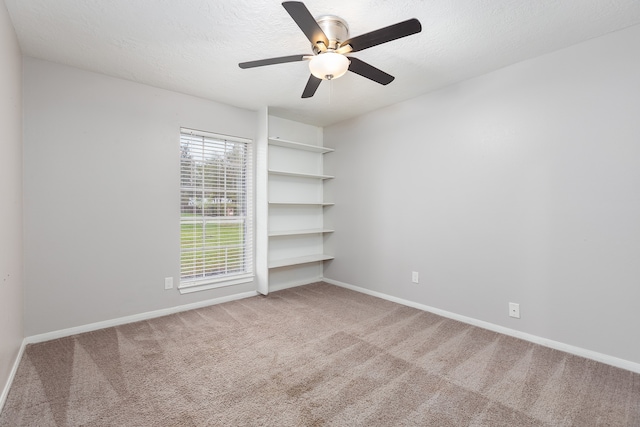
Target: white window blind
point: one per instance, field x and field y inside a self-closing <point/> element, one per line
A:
<point x="216" y="214"/>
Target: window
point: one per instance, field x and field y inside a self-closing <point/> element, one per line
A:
<point x="216" y="218"/>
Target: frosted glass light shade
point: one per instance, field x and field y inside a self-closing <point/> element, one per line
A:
<point x="328" y="65"/>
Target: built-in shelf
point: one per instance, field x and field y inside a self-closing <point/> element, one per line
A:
<point x="298" y="145"/>
<point x="298" y="260"/>
<point x="299" y="232"/>
<point x="301" y="204"/>
<point x="295" y="184"/>
<point x="299" y="175"/>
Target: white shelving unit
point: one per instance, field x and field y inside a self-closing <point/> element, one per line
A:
<point x="301" y="203"/>
<point x="298" y="260"/>
<point x="300" y="232"/>
<point x="275" y="141"/>
<point x="296" y="207"/>
<point x="300" y="175"/>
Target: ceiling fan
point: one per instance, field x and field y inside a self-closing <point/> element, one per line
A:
<point x="330" y="42"/>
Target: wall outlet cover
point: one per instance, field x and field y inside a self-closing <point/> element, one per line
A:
<point x="514" y="310"/>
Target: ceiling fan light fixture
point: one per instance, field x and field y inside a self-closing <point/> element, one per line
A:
<point x="329" y="65"/>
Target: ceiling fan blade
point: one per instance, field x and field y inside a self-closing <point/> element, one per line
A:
<point x="306" y="22"/>
<point x="311" y="87"/>
<point x="383" y="35"/>
<point x="369" y="71"/>
<point x="272" y="61"/>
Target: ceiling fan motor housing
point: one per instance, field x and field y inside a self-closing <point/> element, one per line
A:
<point x="336" y="30"/>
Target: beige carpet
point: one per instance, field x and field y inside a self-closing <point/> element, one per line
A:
<point x="310" y="356"/>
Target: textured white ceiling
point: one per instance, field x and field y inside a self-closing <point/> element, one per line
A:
<point x="194" y="46"/>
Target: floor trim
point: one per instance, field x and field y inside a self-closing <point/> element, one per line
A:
<point x="107" y="324"/>
<point x="12" y="374"/>
<point x="293" y="284"/>
<point x="134" y="318"/>
<point x="578" y="351"/>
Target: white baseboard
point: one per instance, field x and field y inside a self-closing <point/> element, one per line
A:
<point x="12" y="374"/>
<point x="293" y="284"/>
<point x="107" y="324"/>
<point x="567" y="348"/>
<point x="134" y="318"/>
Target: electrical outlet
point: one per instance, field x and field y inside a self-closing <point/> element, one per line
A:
<point x="414" y="276"/>
<point x="168" y="282"/>
<point x="514" y="310"/>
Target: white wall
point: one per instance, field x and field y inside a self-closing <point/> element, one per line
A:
<point x="11" y="283"/>
<point x="522" y="185"/>
<point x="101" y="189"/>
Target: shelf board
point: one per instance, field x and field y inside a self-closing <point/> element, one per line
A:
<point x="298" y="145"/>
<point x="299" y="175"/>
<point x="300" y="232"/>
<point x="301" y="203"/>
<point x="298" y="260"/>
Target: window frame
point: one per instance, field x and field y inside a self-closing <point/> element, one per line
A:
<point x="205" y="282"/>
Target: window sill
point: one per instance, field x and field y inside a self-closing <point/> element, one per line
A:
<point x="214" y="284"/>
